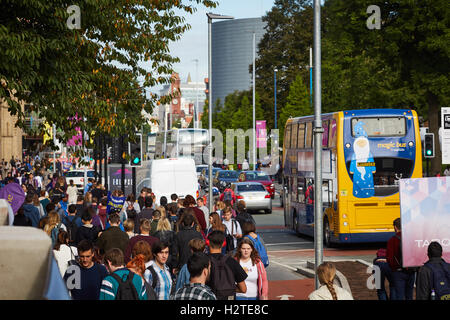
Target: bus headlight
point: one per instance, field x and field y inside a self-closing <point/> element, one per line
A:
<point x="347" y="145"/>
<point x="410" y="143"/>
<point x="345" y="224"/>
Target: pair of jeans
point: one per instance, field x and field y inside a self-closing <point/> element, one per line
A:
<point x="385" y="273"/>
<point x="403" y="282"/>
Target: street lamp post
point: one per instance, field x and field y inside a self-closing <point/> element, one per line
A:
<point x="211" y="16"/>
<point x="275" y="93"/>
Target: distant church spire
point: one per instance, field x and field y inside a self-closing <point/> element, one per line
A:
<point x="189" y="78"/>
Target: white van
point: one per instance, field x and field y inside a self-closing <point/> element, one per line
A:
<point x="173" y="175"/>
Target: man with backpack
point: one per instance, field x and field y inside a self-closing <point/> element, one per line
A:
<point x="160" y="276"/>
<point x="121" y="284"/>
<point x="433" y="279"/>
<point x="72" y="222"/>
<point x="402" y="278"/>
<point x="227" y="276"/>
<point x="228" y="194"/>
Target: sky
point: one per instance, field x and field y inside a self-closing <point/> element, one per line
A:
<point x="194" y="43"/>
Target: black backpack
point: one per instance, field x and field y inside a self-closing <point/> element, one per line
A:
<point x="72" y="228"/>
<point x="126" y="290"/>
<point x="155" y="280"/>
<point x="441" y="279"/>
<point x="222" y="281"/>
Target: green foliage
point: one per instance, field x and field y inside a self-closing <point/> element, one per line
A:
<point x="297" y="104"/>
<point x="96" y="72"/>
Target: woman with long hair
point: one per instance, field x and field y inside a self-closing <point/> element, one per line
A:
<point x="326" y="273"/>
<point x="53" y="225"/>
<point x="215" y="223"/>
<point x="63" y="252"/>
<point x="256" y="281"/>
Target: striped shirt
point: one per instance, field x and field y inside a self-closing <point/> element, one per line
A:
<point x="164" y="282"/>
<point x="194" y="291"/>
<point x="110" y="286"/>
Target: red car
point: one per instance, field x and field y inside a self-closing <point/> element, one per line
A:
<point x="263" y="178"/>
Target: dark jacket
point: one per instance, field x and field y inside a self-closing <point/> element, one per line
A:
<point x="393" y="256"/>
<point x="244" y="216"/>
<point x="113" y="237"/>
<point x="425" y="280"/>
<point x="146" y="213"/>
<point x="32" y="213"/>
<point x="85" y="232"/>
<point x="181" y="251"/>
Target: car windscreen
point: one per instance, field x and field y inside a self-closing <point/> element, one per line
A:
<point x="250" y="187"/>
<point x="228" y="174"/>
<point x="256" y="176"/>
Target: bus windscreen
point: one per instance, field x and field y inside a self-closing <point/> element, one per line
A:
<point x="381" y="126"/>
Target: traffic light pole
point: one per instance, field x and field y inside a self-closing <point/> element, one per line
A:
<point x="133" y="174"/>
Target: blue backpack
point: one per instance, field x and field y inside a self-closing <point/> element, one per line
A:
<point x="261" y="250"/>
<point x="441" y="279"/>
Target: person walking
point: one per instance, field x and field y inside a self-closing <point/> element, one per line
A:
<point x="385" y="272"/>
<point x="402" y="278"/>
<point x="85" y="282"/>
<point x="72" y="192"/>
<point x="326" y="273"/>
<point x="186" y="233"/>
<point x="227" y="275"/>
<point x="145" y="213"/>
<point x="183" y="276"/>
<point x="113" y="237"/>
<point x="256" y="281"/>
<point x="119" y="275"/>
<point x="160" y="276"/>
<point x="30" y="211"/>
<point x="63" y="252"/>
<point x="143" y="236"/>
<point x="433" y="278"/>
<point x="199" y="267"/>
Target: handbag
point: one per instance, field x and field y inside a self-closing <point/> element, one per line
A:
<point x="73" y="261"/>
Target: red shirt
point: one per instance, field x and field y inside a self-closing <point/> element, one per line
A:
<point x="393" y="251"/>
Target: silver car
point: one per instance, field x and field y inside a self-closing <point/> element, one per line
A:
<point x="255" y="196"/>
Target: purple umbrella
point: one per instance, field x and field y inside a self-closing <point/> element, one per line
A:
<point x="14" y="194"/>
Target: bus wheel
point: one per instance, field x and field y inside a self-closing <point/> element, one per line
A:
<point x="327" y="234"/>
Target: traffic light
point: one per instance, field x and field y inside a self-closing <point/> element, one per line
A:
<point x="135" y="151"/>
<point x="428" y="145"/>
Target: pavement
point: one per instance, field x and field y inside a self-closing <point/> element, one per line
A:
<point x="352" y="273"/>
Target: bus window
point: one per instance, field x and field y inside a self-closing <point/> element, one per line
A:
<point x="287" y="137"/>
<point x="301" y="136"/>
<point x="294" y="135"/>
<point x="294" y="188"/>
<point x="327" y="192"/>
<point x="309" y="135"/>
<point x="381" y="126"/>
<point x="301" y="189"/>
<point x="325" y="125"/>
<point x="332" y="134"/>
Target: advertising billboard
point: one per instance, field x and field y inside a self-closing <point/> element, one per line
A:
<point x="425" y="217"/>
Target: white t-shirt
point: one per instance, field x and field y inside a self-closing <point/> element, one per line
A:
<point x="236" y="229"/>
<point x="252" y="279"/>
<point x="63" y="255"/>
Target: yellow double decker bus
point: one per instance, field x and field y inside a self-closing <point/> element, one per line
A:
<point x="364" y="155"/>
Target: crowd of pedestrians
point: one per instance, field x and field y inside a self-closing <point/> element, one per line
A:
<point x="148" y="248"/>
<point x="153" y="249"/>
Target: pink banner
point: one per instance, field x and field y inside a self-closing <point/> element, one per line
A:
<point x="261" y="134"/>
<point x="425" y="216"/>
